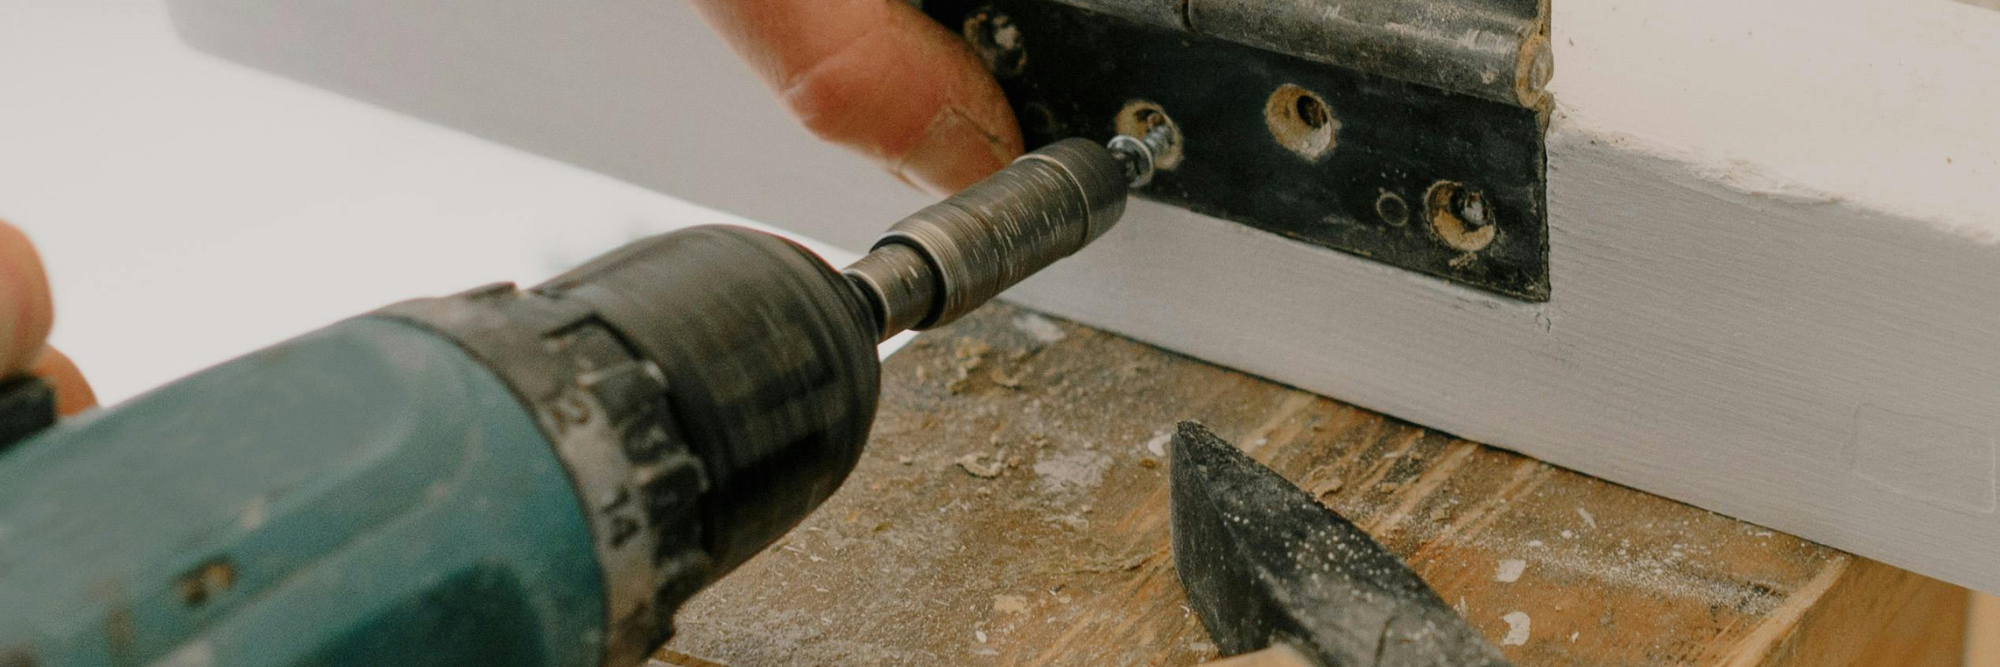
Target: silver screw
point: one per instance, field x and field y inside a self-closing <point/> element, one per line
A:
<point x="1140" y="155"/>
<point x="1470" y="206"/>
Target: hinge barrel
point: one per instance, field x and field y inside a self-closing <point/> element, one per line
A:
<point x="1492" y="49"/>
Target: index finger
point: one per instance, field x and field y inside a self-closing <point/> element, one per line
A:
<point x="879" y="77"/>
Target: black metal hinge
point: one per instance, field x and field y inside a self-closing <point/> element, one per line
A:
<point x="1408" y="132"/>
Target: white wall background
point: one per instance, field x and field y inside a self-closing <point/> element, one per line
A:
<point x="189" y="209"/>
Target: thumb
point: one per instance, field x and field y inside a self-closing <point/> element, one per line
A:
<point x="879" y="77"/>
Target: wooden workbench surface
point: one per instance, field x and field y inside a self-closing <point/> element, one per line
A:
<point x="1012" y="509"/>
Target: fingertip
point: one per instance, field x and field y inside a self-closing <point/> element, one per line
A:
<point x="881" y="78"/>
<point x="918" y="100"/>
<point x="73" y="393"/>
<point x="954" y="153"/>
<point x="26" y="310"/>
<point x="972" y="131"/>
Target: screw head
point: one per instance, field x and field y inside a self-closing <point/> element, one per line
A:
<point x="1460" y="216"/>
<point x="1470" y="206"/>
<point x="1135" y="157"/>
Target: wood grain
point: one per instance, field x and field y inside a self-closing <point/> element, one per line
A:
<point x="1982" y="641"/>
<point x="1276" y="656"/>
<point x="1060" y="557"/>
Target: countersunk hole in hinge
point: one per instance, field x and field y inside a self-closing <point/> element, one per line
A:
<point x="1140" y="117"/>
<point x="1301" y="121"/>
<point x="1461" y="216"/>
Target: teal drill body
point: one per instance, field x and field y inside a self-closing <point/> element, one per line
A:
<point x="185" y="526"/>
<point x="504" y="477"/>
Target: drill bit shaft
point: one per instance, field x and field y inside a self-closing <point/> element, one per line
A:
<point x="951" y="257"/>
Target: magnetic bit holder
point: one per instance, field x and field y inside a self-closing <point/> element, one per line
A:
<point x="953" y="256"/>
<point x="1265" y="564"/>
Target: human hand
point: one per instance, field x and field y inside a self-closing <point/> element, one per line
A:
<point x="26" y="313"/>
<point x="878" y="77"/>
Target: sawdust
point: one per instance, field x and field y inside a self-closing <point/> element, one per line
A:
<point x="1010" y="604"/>
<point x="1517" y="628"/>
<point x="971" y="350"/>
<point x="1005" y="380"/>
<point x="1072" y="472"/>
<point x="969" y="356"/>
<point x="976" y="465"/>
<point x="1108" y="565"/>
<point x="1042" y="329"/>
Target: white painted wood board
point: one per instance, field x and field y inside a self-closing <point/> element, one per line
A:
<point x="1773" y="233"/>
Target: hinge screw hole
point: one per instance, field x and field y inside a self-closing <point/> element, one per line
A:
<point x="1146" y="120"/>
<point x="1301" y="121"/>
<point x="1461" y="216"/>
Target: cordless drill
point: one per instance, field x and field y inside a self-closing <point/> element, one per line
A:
<point x="505" y="477"/>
